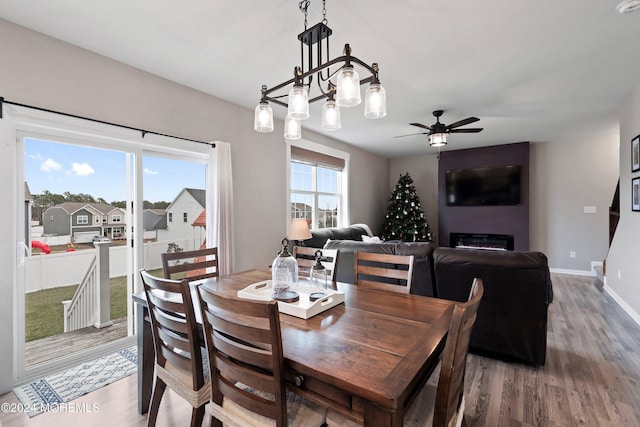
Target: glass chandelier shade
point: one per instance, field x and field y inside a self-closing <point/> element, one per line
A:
<point x="438" y="139"/>
<point x="292" y="128"/>
<point x="348" y="87"/>
<point x="263" y="120"/>
<point x="298" y="107"/>
<point x="331" y="116"/>
<point x="375" y="102"/>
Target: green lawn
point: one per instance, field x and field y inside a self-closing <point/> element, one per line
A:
<point x="44" y="312"/>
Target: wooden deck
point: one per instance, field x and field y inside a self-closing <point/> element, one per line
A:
<point x="53" y="347"/>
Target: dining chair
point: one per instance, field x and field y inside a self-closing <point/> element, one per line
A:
<point x="444" y="406"/>
<point x="385" y="272"/>
<point x="306" y="258"/>
<point x="178" y="358"/>
<point x="244" y="342"/>
<point x="197" y="264"/>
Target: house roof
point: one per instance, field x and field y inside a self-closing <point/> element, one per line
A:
<point x="101" y="208"/>
<point x="198" y="195"/>
<point x="201" y="221"/>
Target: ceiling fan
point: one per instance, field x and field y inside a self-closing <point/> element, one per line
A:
<point x="437" y="133"/>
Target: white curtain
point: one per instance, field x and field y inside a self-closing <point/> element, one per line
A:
<point x="220" y="206"/>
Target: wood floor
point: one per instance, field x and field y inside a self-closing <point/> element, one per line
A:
<point x="591" y="378"/>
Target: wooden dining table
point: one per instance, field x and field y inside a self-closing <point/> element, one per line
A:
<point x="365" y="359"/>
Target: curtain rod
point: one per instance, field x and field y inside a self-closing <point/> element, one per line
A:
<point x="144" y="132"/>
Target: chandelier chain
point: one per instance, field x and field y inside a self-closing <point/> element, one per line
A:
<point x="324" y="12"/>
<point x="304" y="6"/>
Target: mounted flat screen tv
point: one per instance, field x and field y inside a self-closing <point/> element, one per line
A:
<point x="489" y="186"/>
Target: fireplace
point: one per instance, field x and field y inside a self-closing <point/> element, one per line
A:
<point x="494" y="242"/>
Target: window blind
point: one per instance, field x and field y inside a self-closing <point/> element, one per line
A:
<point x="318" y="159"/>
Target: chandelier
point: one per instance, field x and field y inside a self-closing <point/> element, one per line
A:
<point x="315" y="62"/>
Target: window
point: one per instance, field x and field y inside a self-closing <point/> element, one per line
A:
<point x="316" y="187"/>
<point x="184" y="217"/>
<point x="116" y="218"/>
<point x="83" y="219"/>
<point x="104" y="218"/>
<point x="170" y="216"/>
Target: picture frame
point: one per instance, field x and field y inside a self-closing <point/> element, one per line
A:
<point x="635" y="194"/>
<point x="635" y="154"/>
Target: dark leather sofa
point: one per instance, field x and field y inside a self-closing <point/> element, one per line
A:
<point x="512" y="319"/>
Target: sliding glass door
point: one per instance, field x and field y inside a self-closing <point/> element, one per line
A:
<point x="83" y="237"/>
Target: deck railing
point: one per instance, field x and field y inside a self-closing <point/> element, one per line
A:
<point x="90" y="304"/>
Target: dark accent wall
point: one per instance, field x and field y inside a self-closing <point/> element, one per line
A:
<point x="485" y="219"/>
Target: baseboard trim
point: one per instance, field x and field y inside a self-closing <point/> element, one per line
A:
<point x="635" y="316"/>
<point x="573" y="272"/>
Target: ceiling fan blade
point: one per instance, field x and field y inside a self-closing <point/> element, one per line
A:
<point x="466" y="121"/>
<point x="411" y="134"/>
<point x="469" y="130"/>
<point x="420" y="125"/>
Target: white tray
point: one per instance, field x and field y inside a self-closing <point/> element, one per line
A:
<point x="303" y="308"/>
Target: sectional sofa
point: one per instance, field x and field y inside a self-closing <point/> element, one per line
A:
<point x="512" y="319"/>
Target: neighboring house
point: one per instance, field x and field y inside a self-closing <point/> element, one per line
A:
<point x="152" y="221"/>
<point x="301" y="210"/>
<point x="181" y="214"/>
<point x="82" y="221"/>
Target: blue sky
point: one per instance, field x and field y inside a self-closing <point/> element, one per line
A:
<point x="61" y="167"/>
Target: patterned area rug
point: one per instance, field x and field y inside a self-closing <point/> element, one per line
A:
<point x="44" y="394"/>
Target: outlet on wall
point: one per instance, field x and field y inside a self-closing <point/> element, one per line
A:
<point x="572" y="254"/>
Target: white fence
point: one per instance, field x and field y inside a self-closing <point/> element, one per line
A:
<point x="68" y="268"/>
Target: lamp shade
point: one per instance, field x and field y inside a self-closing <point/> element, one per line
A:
<point x="263" y="120"/>
<point x="299" y="229"/>
<point x="331" y="116"/>
<point x="292" y="128"/>
<point x="298" y="107"/>
<point x="438" y="139"/>
<point x="348" y="87"/>
<point x="375" y="102"/>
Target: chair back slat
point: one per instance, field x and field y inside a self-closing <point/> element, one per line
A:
<point x="171" y="339"/>
<point x="386" y="272"/>
<point x="306" y="258"/>
<point x="244" y="343"/>
<point x="194" y="265"/>
<point x="450" y="389"/>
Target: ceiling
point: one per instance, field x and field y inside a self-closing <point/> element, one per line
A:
<point x="529" y="70"/>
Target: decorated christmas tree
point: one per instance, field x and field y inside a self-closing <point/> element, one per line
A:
<point x="405" y="218"/>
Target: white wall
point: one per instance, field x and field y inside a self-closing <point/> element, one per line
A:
<point x="41" y="71"/>
<point x="565" y="176"/>
<point x="623" y="272"/>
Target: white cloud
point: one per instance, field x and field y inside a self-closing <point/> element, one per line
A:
<point x="150" y="172"/>
<point x="37" y="156"/>
<point x="81" y="169"/>
<point x="50" y="165"/>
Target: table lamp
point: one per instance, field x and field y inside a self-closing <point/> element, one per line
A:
<point x="299" y="231"/>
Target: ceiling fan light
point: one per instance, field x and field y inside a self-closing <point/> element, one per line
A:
<point x="348" y="87"/>
<point x="438" y="140"/>
<point x="375" y="102"/>
<point x="298" y="103"/>
<point x="263" y="119"/>
<point x="628" y="6"/>
<point x="331" y="116"/>
<point x="292" y="128"/>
